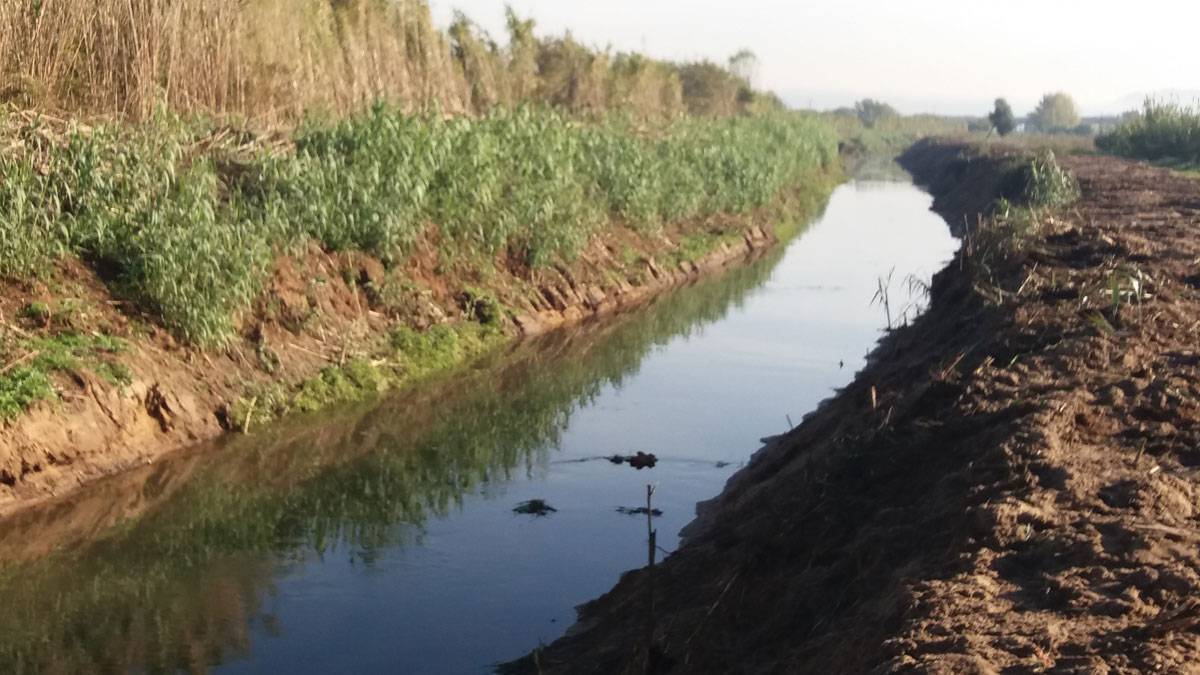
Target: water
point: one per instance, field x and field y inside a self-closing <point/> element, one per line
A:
<point x="383" y="539"/>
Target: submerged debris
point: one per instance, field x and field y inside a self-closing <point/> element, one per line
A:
<point x="638" y="511"/>
<point x="639" y="461"/>
<point x="535" y="507"/>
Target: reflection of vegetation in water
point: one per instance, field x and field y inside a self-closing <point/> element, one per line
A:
<point x="176" y="588"/>
<point x="876" y="168"/>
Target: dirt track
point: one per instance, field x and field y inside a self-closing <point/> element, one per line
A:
<point x="1021" y="497"/>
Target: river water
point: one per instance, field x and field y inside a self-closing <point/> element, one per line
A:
<point x="383" y="538"/>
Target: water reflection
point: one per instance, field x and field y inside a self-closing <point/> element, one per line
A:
<point x="383" y="539"/>
<point x="166" y="568"/>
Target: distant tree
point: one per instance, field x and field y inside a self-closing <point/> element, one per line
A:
<point x="1002" y="118"/>
<point x="1055" y="113"/>
<point x="870" y="111"/>
<point x="744" y="64"/>
<point x="710" y="89"/>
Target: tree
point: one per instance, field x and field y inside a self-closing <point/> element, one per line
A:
<point x="1002" y="118"/>
<point x="870" y="111"/>
<point x="1055" y="113"/>
<point x="744" y="65"/>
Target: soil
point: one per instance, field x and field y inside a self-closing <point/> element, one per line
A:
<point x="319" y="309"/>
<point x="1009" y="486"/>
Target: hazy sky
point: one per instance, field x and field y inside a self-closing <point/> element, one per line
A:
<point x="945" y="56"/>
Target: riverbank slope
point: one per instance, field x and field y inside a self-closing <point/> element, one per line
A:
<point x="164" y="284"/>
<point x="320" y="319"/>
<point x="1008" y="485"/>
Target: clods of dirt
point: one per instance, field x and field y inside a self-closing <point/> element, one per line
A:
<point x="639" y="511"/>
<point x="534" y="507"/>
<point x="640" y="460"/>
<point x="1022" y="494"/>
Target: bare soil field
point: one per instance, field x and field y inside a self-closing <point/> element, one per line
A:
<point x="1009" y="486"/>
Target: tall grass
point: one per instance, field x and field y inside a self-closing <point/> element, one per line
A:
<point x="267" y="59"/>
<point x="187" y="226"/>
<point x="1047" y="183"/>
<point x="1165" y="132"/>
<point x="274" y="61"/>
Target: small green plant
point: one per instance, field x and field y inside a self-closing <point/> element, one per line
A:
<point x="20" y="388"/>
<point x="1126" y="286"/>
<point x="116" y="374"/>
<point x="37" y="312"/>
<point x="1047" y="184"/>
<point x="355" y="381"/>
<point x="27" y="377"/>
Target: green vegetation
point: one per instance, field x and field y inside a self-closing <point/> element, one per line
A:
<point x="869" y="130"/>
<point x="20" y="388"/>
<point x="1055" y="113"/>
<point x="1047" y="184"/>
<point x="1002" y="119"/>
<point x="1161" y="132"/>
<point x="871" y="112"/>
<point x="189" y="234"/>
<point x="31" y="363"/>
<point x="184" y="576"/>
<point x="693" y="247"/>
<point x="414" y="355"/>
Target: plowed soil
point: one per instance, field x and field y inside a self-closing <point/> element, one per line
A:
<point x="1011" y="485"/>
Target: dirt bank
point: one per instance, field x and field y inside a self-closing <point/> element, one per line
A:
<point x="1008" y="486"/>
<point x="320" y="310"/>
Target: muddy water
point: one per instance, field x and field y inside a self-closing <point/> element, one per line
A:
<point x="383" y="538"/>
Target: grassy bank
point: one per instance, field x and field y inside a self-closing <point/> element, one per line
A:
<point x="252" y="209"/>
<point x="184" y="219"/>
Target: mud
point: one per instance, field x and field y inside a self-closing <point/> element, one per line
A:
<point x="1010" y="485"/>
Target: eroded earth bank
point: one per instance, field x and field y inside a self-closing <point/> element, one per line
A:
<point x="1008" y="486"/>
<point x="329" y="327"/>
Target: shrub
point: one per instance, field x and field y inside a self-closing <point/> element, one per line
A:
<point x="1047" y="184"/>
<point x="1162" y="131"/>
<point x="871" y="112"/>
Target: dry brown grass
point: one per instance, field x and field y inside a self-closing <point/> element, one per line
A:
<point x="269" y="58"/>
<point x="275" y="60"/>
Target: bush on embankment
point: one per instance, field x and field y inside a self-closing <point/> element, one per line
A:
<point x="184" y="218"/>
<point x="1161" y="132"/>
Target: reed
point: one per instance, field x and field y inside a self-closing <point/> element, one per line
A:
<point x="1162" y="132"/>
<point x="275" y="61"/>
<point x="184" y="217"/>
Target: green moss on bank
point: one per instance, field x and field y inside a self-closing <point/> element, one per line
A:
<point x="412" y="356"/>
<point x="32" y="362"/>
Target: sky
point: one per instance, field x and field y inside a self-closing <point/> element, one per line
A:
<point x="940" y="56"/>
